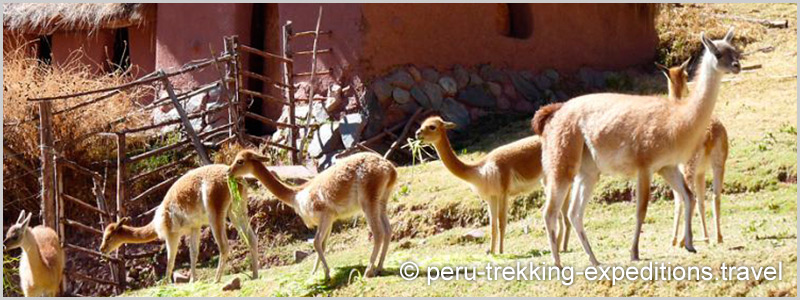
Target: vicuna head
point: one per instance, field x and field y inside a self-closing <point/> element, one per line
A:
<point x="725" y="55"/>
<point x="16" y="234"/>
<point x="244" y="162"/>
<point x="433" y="129"/>
<point x="112" y="238"/>
<point x="677" y="79"/>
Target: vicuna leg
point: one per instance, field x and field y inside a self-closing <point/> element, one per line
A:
<point x="642" y="199"/>
<point x="173" y="241"/>
<point x="325" y="223"/>
<point x="387" y="228"/>
<point x="719" y="174"/>
<point x="677" y="217"/>
<point x="194" y="250"/>
<point x="584" y="182"/>
<point x="564" y="224"/>
<point x="376" y="226"/>
<point x="251" y="236"/>
<point x="555" y="192"/>
<point x="502" y="220"/>
<point x="324" y="246"/>
<point x="493" y="218"/>
<point x="674" y="178"/>
<point x="217" y="224"/>
<point x="700" y="193"/>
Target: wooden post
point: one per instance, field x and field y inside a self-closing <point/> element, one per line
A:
<point x="59" y="200"/>
<point x="122" y="176"/>
<point x="198" y="145"/>
<point x="223" y="78"/>
<point x="241" y="107"/>
<point x="47" y="214"/>
<point x="311" y="79"/>
<point x="288" y="73"/>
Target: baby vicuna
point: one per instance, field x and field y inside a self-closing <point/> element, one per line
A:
<point x="628" y="135"/>
<point x="362" y="180"/>
<point x="42" y="264"/>
<point x="198" y="198"/>
<point x="712" y="152"/>
<point x="506" y="171"/>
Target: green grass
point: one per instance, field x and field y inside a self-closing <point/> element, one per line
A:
<point x="432" y="210"/>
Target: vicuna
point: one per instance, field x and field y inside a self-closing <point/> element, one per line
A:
<point x="712" y="152"/>
<point x="628" y="135"/>
<point x="362" y="181"/>
<point x="42" y="264"/>
<point x="198" y="198"/>
<point x="506" y="171"/>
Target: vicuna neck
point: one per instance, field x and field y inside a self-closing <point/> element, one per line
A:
<point x="137" y="235"/>
<point x="704" y="96"/>
<point x="283" y="192"/>
<point x="31" y="249"/>
<point x="451" y="161"/>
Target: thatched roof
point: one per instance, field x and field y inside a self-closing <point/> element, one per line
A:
<point x="46" y="18"/>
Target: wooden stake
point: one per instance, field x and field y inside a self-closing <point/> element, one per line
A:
<point x="187" y="125"/>
<point x="122" y="175"/>
<point x="288" y="73"/>
<point x="311" y="80"/>
<point x="48" y="210"/>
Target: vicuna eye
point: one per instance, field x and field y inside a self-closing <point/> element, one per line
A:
<point x="241" y="162"/>
<point x="431" y="127"/>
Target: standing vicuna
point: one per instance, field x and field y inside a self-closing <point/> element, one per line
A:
<point x="506" y="171"/>
<point x="199" y="197"/>
<point x="631" y="136"/>
<point x="363" y="180"/>
<point x="42" y="264"/>
<point x="712" y="152"/>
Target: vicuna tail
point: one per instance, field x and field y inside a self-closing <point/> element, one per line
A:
<point x="543" y="115"/>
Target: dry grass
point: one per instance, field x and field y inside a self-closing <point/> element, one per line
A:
<point x="25" y="78"/>
<point x="679" y="27"/>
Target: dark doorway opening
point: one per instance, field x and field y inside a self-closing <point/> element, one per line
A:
<point x="45" y="50"/>
<point x="121" y="60"/>
<point x="258" y="30"/>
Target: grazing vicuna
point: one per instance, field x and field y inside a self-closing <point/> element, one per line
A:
<point x="42" y="264"/>
<point x="712" y="152"/>
<point x="631" y="136"/>
<point x="506" y="171"/>
<point x="362" y="181"/>
<point x="198" y="198"/>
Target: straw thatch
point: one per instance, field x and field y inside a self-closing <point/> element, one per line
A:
<point x="46" y="18"/>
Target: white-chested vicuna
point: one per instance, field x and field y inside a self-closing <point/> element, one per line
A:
<point x="198" y="198"/>
<point x="711" y="153"/>
<point x="628" y="135"/>
<point x="42" y="264"/>
<point x="506" y="171"/>
<point x="362" y="181"/>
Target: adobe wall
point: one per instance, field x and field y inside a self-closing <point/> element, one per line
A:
<point x="97" y="48"/>
<point x="182" y="36"/>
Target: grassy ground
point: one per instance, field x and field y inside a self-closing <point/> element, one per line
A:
<point x="432" y="210"/>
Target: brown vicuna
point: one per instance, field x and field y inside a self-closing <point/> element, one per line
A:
<point x="628" y="135"/>
<point x="506" y="171"/>
<point x="42" y="264"/>
<point x="198" y="198"/>
<point x="712" y="152"/>
<point x="362" y="181"/>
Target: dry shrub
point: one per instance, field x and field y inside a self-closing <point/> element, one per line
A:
<point x="679" y="27"/>
<point x="26" y="77"/>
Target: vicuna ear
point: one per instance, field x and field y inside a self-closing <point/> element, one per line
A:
<point x="729" y="36"/>
<point x="663" y="69"/>
<point x="27" y="220"/>
<point x="261" y="158"/>
<point x="21" y="216"/>
<point x="685" y="64"/>
<point x="450" y="125"/>
<point x="709" y="45"/>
